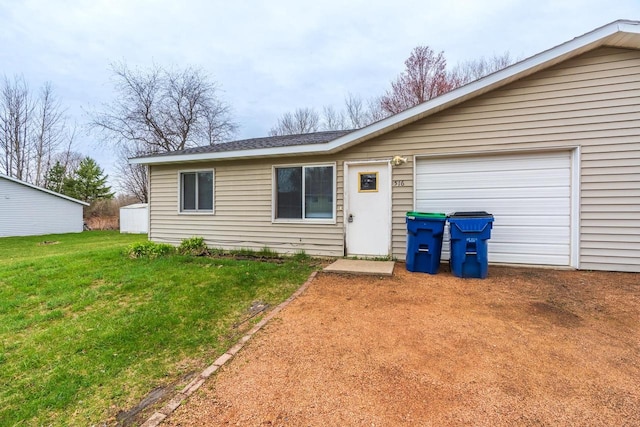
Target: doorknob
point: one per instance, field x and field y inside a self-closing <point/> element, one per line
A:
<point x="350" y="219"/>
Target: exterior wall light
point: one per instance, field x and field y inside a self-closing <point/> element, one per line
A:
<point x="397" y="160"/>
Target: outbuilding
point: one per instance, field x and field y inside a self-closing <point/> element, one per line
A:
<point x="134" y="218"/>
<point x="550" y="146"/>
<point x="28" y="210"/>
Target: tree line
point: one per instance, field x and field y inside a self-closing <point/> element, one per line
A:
<point x="425" y="77"/>
<point x="36" y="142"/>
<point x="159" y="110"/>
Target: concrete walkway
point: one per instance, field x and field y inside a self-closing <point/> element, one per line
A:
<point x="359" y="266"/>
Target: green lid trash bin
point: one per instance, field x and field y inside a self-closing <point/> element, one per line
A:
<point x="424" y="241"/>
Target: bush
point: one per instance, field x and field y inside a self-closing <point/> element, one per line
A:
<point x="149" y="250"/>
<point x="193" y="246"/>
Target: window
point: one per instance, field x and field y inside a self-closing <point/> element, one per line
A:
<point x="196" y="191"/>
<point x="367" y="182"/>
<point x="304" y="192"/>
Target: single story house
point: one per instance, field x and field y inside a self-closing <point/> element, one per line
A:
<point x="27" y="210"/>
<point x="549" y="145"/>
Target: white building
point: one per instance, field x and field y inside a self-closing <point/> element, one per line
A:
<point x="27" y="210"/>
<point x="134" y="218"/>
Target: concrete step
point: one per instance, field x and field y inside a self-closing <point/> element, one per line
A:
<point x="360" y="266"/>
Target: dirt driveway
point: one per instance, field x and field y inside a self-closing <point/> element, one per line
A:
<point x="523" y="347"/>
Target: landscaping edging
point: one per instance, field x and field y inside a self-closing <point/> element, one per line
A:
<point x="197" y="382"/>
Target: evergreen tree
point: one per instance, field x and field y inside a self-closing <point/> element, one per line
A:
<point x="88" y="184"/>
<point x="54" y="180"/>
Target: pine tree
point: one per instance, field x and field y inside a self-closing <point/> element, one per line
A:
<point x="88" y="183"/>
<point x="54" y="180"/>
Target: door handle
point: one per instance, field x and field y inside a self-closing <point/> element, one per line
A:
<point x="350" y="219"/>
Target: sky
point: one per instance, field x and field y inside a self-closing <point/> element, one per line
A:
<point x="270" y="57"/>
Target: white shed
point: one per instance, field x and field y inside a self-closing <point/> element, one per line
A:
<point x="27" y="210"/>
<point x="134" y="218"/>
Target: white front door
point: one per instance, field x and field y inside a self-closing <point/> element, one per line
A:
<point x="368" y="209"/>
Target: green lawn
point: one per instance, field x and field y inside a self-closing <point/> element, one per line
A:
<point x="85" y="331"/>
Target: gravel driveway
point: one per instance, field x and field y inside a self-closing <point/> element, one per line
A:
<point x="523" y="347"/>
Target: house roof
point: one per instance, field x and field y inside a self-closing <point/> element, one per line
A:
<point x="44" y="190"/>
<point x="621" y="34"/>
<point x="261" y="143"/>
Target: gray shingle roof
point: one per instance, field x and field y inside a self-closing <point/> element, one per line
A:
<point x="265" y="142"/>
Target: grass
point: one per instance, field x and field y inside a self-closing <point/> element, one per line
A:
<point x="86" y="331"/>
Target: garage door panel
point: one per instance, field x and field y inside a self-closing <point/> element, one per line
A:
<point x="447" y="192"/>
<point x="528" y="194"/>
<point x="489" y="180"/>
<point x="541" y="235"/>
<point x="521" y="254"/>
<point x="536" y="221"/>
<point x="516" y="162"/>
<point x="505" y="207"/>
<point x="528" y="248"/>
<point x="527" y="243"/>
<point x="541" y="259"/>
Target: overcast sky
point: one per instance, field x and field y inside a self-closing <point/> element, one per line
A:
<point x="270" y="57"/>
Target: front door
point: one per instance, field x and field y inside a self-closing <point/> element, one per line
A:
<point x="368" y="209"/>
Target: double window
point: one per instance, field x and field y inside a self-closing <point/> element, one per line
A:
<point x="305" y="192"/>
<point x="196" y="191"/>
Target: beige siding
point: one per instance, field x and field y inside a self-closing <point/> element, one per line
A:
<point x="242" y="217"/>
<point x="591" y="102"/>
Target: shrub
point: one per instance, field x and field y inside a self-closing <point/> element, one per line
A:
<point x="193" y="246"/>
<point x="149" y="250"/>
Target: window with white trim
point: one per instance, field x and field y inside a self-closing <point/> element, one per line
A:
<point x="305" y="192"/>
<point x="196" y="191"/>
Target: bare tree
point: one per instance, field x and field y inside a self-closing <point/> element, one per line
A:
<point x="424" y="78"/>
<point x="302" y="120"/>
<point x="160" y="110"/>
<point x="375" y="112"/>
<point x="132" y="178"/>
<point x="164" y="110"/>
<point x="16" y="107"/>
<point x="472" y="70"/>
<point x="355" y="115"/>
<point x="356" y="111"/>
<point x="332" y="119"/>
<point x="63" y="163"/>
<point x="31" y="130"/>
<point x="49" y="132"/>
<point x="69" y="158"/>
<point x="361" y="113"/>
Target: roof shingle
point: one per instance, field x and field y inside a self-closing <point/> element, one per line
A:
<point x="265" y="142"/>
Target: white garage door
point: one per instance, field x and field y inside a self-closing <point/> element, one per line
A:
<point x="528" y="194"/>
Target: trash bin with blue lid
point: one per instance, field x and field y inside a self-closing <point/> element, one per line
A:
<point x="424" y="241"/>
<point x="469" y="233"/>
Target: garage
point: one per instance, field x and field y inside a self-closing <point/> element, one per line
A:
<point x="529" y="194"/>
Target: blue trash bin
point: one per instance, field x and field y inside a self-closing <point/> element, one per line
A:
<point x="424" y="241"/>
<point x="469" y="234"/>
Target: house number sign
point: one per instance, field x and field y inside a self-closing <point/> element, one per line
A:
<point x="398" y="182"/>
